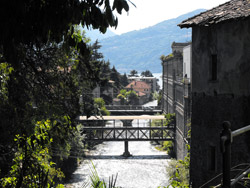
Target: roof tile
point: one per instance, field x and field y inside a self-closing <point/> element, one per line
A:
<point x="232" y="10"/>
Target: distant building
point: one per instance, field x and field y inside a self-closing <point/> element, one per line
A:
<point x="220" y="87"/>
<point x="176" y="93"/>
<point x="187" y="62"/>
<point x="142" y="89"/>
<point x="177" y="47"/>
<point x="152" y="81"/>
<point x="96" y="92"/>
<point x="105" y="91"/>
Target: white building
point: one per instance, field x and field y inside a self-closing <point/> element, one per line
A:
<point x="187" y="62"/>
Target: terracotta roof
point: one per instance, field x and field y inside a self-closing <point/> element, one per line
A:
<point x="232" y="10"/>
<point x="138" y="85"/>
<point x="140" y="94"/>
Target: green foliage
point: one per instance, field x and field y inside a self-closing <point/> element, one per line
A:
<point x="32" y="165"/>
<point x="110" y="79"/>
<point x="178" y="171"/>
<point x="146" y="73"/>
<point x="170" y="119"/>
<point x="133" y="73"/>
<point x="100" y="104"/>
<point x="43" y="21"/>
<point x="46" y="85"/>
<point x="122" y="98"/>
<point x="247" y="181"/>
<point x="123" y="92"/>
<point x="128" y="97"/>
<point x="165" y="145"/>
<point x="158" y="123"/>
<point x="96" y="182"/>
<point x="155" y="95"/>
<point x="159" y="99"/>
<point x="5" y="71"/>
<point x="132" y="98"/>
<point x="169" y="56"/>
<point x="116" y="77"/>
<point x="46" y="67"/>
<point x="124" y="80"/>
<point x="162" y="58"/>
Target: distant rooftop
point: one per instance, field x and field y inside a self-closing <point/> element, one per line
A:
<point x="141" y="77"/>
<point x="232" y="10"/>
<point x="180" y="44"/>
<point x="138" y="85"/>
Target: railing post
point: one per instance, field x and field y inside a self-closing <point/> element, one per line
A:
<point x="225" y="143"/>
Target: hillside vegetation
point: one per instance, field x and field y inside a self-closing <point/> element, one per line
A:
<point x="141" y="50"/>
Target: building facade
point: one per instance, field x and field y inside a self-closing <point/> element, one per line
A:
<point x="176" y="95"/>
<point x="220" y="87"/>
<point x="142" y="89"/>
<point x="152" y="81"/>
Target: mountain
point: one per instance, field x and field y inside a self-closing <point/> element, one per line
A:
<point x="141" y="50"/>
<point x="95" y="34"/>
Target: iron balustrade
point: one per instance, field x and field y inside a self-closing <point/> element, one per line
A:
<point x="126" y="133"/>
<point x="132" y="107"/>
<point x="226" y="139"/>
<point x="129" y="133"/>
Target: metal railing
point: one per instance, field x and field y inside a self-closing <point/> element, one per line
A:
<point x="132" y="107"/>
<point x="129" y="133"/>
<point x="226" y="139"/>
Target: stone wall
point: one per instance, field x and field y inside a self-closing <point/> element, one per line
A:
<point x="176" y="97"/>
<point x="226" y="98"/>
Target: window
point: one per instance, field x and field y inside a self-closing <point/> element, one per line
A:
<point x="213" y="68"/>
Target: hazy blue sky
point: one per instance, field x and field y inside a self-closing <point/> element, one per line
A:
<point x="151" y="12"/>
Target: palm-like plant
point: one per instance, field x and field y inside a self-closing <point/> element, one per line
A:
<point x="96" y="182"/>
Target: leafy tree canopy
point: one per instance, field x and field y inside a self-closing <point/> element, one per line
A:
<point x="115" y="76"/>
<point x="37" y="22"/>
<point x="100" y="103"/>
<point x="146" y="73"/>
<point x="43" y="20"/>
<point x="45" y="68"/>
<point x="128" y="97"/>
<point x="124" y="80"/>
<point x="132" y="97"/>
<point x="133" y="73"/>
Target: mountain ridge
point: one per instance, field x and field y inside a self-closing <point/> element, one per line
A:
<point x="141" y="49"/>
<point x="95" y="34"/>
